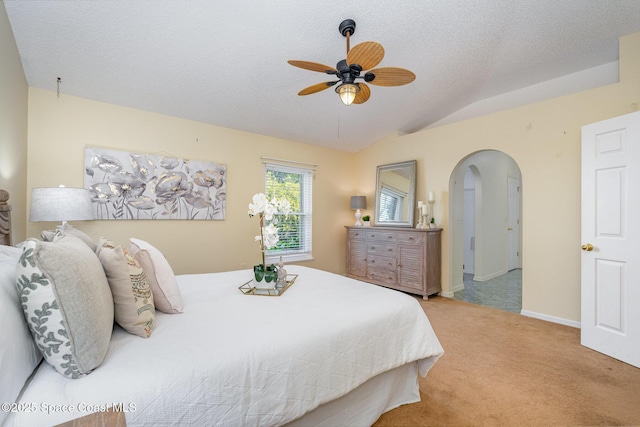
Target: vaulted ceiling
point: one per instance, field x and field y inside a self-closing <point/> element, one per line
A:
<point x="225" y="63"/>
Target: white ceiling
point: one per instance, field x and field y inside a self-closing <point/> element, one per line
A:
<point x="225" y="62"/>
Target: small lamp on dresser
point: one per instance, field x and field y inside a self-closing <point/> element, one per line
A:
<point x="357" y="203"/>
<point x="60" y="204"/>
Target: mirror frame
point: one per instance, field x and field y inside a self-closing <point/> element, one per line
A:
<point x="411" y="167"/>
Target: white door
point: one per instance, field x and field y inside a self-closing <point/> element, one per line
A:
<point x="513" y="227"/>
<point x="611" y="238"/>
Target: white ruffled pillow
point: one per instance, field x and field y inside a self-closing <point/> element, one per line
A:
<point x="19" y="355"/>
<point x="163" y="283"/>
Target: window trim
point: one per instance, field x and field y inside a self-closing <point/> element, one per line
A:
<point x="306" y="253"/>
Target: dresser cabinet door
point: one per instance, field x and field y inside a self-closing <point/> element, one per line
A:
<point x="357" y="253"/>
<point x="411" y="267"/>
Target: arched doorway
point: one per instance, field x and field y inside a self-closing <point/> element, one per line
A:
<point x="485" y="245"/>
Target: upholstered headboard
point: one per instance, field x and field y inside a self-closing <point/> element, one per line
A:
<point x="5" y="218"/>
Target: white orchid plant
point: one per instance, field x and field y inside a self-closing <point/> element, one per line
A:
<point x="267" y="209"/>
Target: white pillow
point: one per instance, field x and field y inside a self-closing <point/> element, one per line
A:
<point x="19" y="354"/>
<point x="67" y="303"/>
<point x="163" y="283"/>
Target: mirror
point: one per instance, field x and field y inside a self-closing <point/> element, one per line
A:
<point x="395" y="194"/>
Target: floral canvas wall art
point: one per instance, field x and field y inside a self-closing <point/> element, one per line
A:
<point x="124" y="185"/>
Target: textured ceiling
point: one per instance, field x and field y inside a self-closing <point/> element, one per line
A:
<point x="225" y="63"/>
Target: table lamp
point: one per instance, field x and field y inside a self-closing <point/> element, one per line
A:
<point x="357" y="203"/>
<point x="60" y="204"/>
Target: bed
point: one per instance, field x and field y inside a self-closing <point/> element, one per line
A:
<point x="330" y="351"/>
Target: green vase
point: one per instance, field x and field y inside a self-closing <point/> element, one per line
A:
<point x="270" y="274"/>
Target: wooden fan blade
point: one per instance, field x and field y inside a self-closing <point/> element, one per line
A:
<point x="316" y="88"/>
<point x="391" y="76"/>
<point x="363" y="95"/>
<point x="366" y="54"/>
<point x="313" y="66"/>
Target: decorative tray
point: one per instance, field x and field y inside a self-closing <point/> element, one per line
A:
<point x="247" y="289"/>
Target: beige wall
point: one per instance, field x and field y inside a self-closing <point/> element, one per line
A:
<point x="60" y="128"/>
<point x="13" y="126"/>
<point x="544" y="140"/>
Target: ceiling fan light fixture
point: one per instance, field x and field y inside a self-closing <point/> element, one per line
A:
<point x="347" y="92"/>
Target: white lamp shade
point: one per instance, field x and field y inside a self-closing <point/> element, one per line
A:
<point x="60" y="204"/>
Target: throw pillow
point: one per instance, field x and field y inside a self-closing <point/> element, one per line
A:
<point x="67" y="303"/>
<point x="161" y="279"/>
<point x="19" y="355"/>
<point x="68" y="229"/>
<point x="132" y="297"/>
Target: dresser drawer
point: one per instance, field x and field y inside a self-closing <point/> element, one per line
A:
<point x="381" y="271"/>
<point x="378" y="262"/>
<point x="411" y="238"/>
<point x="382" y="248"/>
<point x="381" y="236"/>
<point x="356" y="235"/>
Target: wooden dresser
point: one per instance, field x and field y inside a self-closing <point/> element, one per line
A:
<point x="406" y="259"/>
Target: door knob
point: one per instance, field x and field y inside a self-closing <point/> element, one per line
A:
<point x="588" y="247"/>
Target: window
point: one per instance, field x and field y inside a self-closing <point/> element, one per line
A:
<point x="391" y="204"/>
<point x="294" y="230"/>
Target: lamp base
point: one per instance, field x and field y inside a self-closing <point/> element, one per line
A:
<point x="358" y="216"/>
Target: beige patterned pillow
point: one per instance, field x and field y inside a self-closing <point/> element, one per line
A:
<point x="132" y="297"/>
<point x="67" y="303"/>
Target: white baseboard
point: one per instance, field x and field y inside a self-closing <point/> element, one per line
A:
<point x="456" y="288"/>
<point x="489" y="276"/>
<point x="549" y="318"/>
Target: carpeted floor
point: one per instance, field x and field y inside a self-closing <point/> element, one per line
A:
<point x="504" y="369"/>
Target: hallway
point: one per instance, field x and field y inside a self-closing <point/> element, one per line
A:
<point x="503" y="292"/>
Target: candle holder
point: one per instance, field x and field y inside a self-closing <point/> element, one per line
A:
<point x="419" y="224"/>
<point x="431" y="224"/>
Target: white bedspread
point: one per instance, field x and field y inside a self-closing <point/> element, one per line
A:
<point x="232" y="359"/>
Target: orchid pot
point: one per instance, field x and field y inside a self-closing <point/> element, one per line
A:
<point x="265" y="277"/>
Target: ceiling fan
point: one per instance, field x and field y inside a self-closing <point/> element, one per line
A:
<point x="363" y="56"/>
